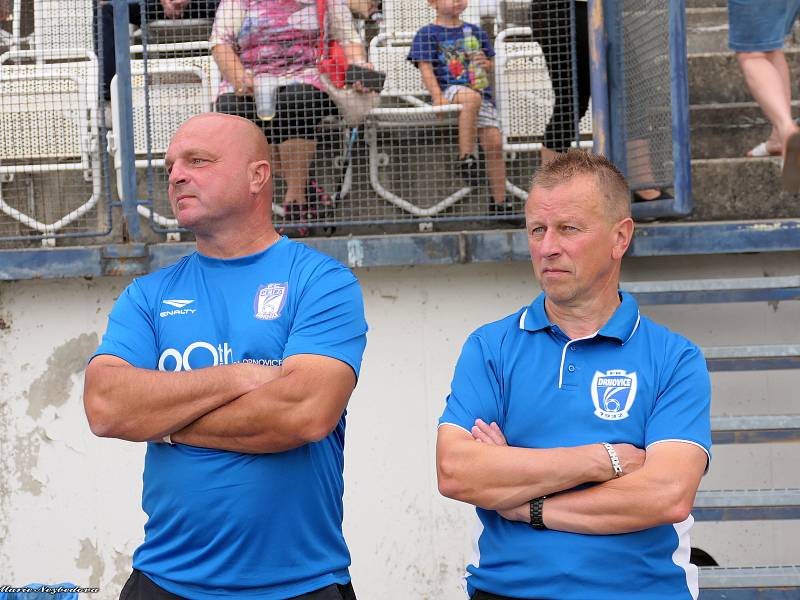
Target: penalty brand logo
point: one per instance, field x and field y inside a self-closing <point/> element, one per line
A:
<point x="613" y="394"/>
<point x="179" y="308"/>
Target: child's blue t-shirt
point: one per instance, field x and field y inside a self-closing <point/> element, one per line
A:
<point x="449" y="50"/>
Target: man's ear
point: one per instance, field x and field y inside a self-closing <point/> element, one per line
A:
<point x="260" y="173"/>
<point x="623" y="235"/>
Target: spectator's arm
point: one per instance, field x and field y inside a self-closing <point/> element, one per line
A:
<point x="301" y="406"/>
<point x="495" y="476"/>
<point x="232" y="69"/>
<point x="661" y="492"/>
<point x="227" y="24"/>
<point x="431" y="84"/>
<point x="342" y="29"/>
<point x="354" y="52"/>
<point x="134" y="404"/>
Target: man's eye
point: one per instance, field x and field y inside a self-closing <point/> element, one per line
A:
<point x="198" y="160"/>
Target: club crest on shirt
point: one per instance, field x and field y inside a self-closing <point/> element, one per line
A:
<point x="270" y="300"/>
<point x="613" y="393"/>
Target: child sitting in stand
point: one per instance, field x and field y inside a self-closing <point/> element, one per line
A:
<point x="454" y="59"/>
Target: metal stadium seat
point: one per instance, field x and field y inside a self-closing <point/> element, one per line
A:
<point x="403" y="106"/>
<point x="48" y="116"/>
<point x="525" y="95"/>
<point x="60" y="25"/>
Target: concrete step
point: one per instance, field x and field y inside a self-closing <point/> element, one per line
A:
<point x="740" y="189"/>
<point x="707" y="30"/>
<point x="746" y="505"/>
<point x="750" y="577"/>
<point x="706" y="4"/>
<point x="728" y="130"/>
<point x="715" y="78"/>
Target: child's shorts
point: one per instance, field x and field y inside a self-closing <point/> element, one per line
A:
<point x="760" y="26"/>
<point x="487" y="115"/>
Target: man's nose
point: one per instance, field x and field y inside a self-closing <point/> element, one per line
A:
<point x="177" y="174"/>
<point x="551" y="243"/>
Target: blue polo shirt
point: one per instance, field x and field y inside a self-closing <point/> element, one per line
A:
<point x="634" y="382"/>
<point x="224" y="524"/>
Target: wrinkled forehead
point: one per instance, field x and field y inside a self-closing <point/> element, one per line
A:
<point x="577" y="197"/>
<point x="197" y="136"/>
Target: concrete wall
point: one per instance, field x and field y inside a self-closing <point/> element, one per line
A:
<point x="69" y="502"/>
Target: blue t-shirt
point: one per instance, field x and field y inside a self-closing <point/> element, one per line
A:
<point x="224" y="524"/>
<point x="632" y="382"/>
<point x="449" y="50"/>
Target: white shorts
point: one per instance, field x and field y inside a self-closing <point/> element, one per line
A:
<point x="487" y="115"/>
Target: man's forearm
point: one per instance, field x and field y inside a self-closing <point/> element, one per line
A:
<point x="135" y="404"/>
<point x="499" y="477"/>
<point x="624" y="505"/>
<point x="660" y="493"/>
<point x="297" y="408"/>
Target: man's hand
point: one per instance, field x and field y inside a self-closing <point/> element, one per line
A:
<point x="173" y="9"/>
<point x="630" y="457"/>
<point x="488" y="434"/>
<point x="303" y="405"/>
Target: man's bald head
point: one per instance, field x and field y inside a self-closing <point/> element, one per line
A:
<point x="219" y="175"/>
<point x="240" y="133"/>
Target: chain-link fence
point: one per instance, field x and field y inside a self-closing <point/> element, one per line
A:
<point x="52" y="149"/>
<point x="464" y="103"/>
<point x="647" y="66"/>
<point x="443" y="114"/>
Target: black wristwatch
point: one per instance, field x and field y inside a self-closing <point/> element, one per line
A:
<point x="537" y="521"/>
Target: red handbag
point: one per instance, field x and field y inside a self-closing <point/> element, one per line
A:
<point x="332" y="60"/>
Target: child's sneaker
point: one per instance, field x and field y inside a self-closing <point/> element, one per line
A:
<point x="506" y="212"/>
<point x="469" y="171"/>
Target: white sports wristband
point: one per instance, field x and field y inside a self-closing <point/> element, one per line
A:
<point x="612" y="454"/>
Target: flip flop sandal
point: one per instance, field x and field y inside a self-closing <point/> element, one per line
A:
<point x="790" y="174"/>
<point x="761" y="151"/>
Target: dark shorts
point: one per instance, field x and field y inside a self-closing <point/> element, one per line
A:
<point x="760" y="26"/>
<point x="141" y="587"/>
<point x="299" y="108"/>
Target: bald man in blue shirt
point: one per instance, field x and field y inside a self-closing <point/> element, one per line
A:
<point x="578" y="428"/>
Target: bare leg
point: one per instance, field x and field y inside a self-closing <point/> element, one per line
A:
<point x="296" y="155"/>
<point x="492" y="143"/>
<point x="766" y="74"/>
<point x="470" y="101"/>
<point x="778" y="60"/>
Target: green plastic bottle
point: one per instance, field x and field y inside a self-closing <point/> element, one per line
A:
<point x="478" y="78"/>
